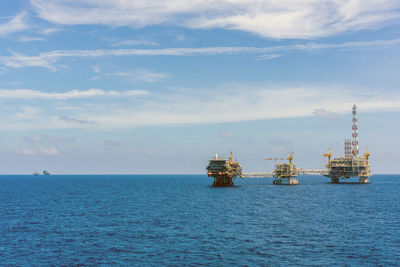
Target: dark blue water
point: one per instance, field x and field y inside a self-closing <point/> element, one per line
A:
<point x="176" y="220"/>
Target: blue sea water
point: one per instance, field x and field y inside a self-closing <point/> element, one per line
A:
<point x="181" y="220"/>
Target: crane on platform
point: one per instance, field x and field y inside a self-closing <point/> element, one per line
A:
<point x="329" y="156"/>
<point x="276" y="159"/>
<point x="366" y="155"/>
<point x="290" y="158"/>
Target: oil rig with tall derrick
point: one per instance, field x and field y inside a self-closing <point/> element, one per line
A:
<point x="351" y="165"/>
<point x="224" y="171"/>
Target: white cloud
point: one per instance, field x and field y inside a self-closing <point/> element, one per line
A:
<point x="48" y="31"/>
<point x="182" y="107"/>
<point x="25" y="151"/>
<point x="73" y="94"/>
<point x="135" y="43"/>
<point x="33" y="138"/>
<point x="95" y="78"/>
<point x="256" y="104"/>
<point x="268" y="57"/>
<point x="142" y="75"/>
<point x="74" y="120"/>
<point x="96" y="68"/>
<point x="16" y="24"/>
<point x="31" y="39"/>
<point x="28" y="113"/>
<point x="17" y="60"/>
<point x="227" y="134"/>
<point x="268" y="18"/>
<point x="49" y="151"/>
<point x="48" y="59"/>
<point x="321" y="112"/>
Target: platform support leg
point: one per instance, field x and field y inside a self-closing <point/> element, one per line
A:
<point x="223" y="181"/>
<point x="334" y="180"/>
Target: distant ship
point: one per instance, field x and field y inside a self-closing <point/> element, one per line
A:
<point x="36" y="173"/>
<point x="46" y="173"/>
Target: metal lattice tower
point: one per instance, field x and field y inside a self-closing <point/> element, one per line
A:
<point x="355" y="132"/>
<point x="348" y="149"/>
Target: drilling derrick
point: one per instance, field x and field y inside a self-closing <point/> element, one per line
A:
<point x="223" y="171"/>
<point x="284" y="173"/>
<point x="355" y="132"/>
<point x="351" y="165"/>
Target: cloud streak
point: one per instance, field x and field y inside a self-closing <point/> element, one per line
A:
<point x="47" y="151"/>
<point x="17" y="23"/>
<point x="48" y="59"/>
<point x="74" y="120"/>
<point x="31" y="39"/>
<point x="189" y="107"/>
<point x="226" y="134"/>
<point x="321" y="112"/>
<point x="142" y="75"/>
<point x="143" y="42"/>
<point x="302" y="19"/>
<point x="73" y="94"/>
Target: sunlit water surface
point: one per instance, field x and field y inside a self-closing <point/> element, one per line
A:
<point x="180" y="219"/>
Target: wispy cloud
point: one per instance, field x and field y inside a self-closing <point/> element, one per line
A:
<point x="142" y="75"/>
<point x="181" y="107"/>
<point x="24" y="151"/>
<point x="17" y="60"/>
<point x="48" y="31"/>
<point x="48" y="151"/>
<point x="268" y="57"/>
<point x="321" y="112"/>
<point x="73" y="94"/>
<point x="135" y="43"/>
<point x="35" y="138"/>
<point x="17" y="23"/>
<point x="96" y="68"/>
<point x="31" y="39"/>
<point x="95" y="78"/>
<point x="48" y="59"/>
<point x="74" y="120"/>
<point x="226" y="134"/>
<point x="26" y="113"/>
<point x="268" y="18"/>
<point x="258" y="103"/>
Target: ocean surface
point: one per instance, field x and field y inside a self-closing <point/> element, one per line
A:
<point x="163" y="220"/>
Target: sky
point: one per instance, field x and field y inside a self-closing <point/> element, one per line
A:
<point x="152" y="87"/>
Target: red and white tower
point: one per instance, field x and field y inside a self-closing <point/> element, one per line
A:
<point x="355" y="132"/>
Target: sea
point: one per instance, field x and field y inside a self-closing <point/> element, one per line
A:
<point x="175" y="220"/>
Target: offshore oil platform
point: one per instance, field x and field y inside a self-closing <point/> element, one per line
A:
<point x="284" y="173"/>
<point x="224" y="171"/>
<point x="350" y="165"/>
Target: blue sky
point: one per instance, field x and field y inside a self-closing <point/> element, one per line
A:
<point x="160" y="86"/>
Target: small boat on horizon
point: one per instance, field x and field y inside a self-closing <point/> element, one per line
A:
<point x="36" y="173"/>
<point x="46" y="173"/>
